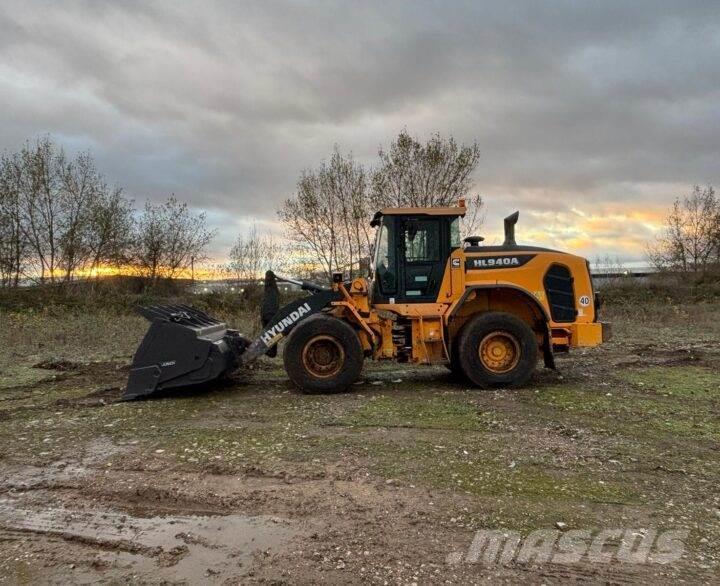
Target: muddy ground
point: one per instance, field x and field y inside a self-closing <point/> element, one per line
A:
<point x="254" y="482"/>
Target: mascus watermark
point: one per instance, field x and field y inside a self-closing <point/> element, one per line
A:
<point x="632" y="546"/>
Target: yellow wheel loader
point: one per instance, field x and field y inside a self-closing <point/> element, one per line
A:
<point x="487" y="312"/>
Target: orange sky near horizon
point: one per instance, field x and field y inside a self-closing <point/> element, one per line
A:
<point x="628" y="232"/>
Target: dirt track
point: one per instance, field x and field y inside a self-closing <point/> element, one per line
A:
<point x="255" y="482"/>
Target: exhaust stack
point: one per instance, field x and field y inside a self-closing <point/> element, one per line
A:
<point x="510" y="222"/>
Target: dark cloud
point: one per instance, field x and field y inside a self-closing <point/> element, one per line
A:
<point x="576" y="106"/>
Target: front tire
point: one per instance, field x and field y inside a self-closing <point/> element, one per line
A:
<point x="323" y="355"/>
<point x="497" y="350"/>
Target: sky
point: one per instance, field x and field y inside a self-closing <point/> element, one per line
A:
<point x="591" y="116"/>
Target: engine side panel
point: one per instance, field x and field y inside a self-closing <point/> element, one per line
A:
<point x="550" y="290"/>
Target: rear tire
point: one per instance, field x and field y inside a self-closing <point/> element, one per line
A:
<point x="497" y="350"/>
<point x="323" y="355"/>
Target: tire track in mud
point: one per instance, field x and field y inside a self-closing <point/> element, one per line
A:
<point x="193" y="546"/>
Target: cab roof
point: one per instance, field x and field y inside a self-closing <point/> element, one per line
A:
<point x="439" y="211"/>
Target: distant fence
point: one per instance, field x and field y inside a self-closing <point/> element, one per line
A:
<point x="641" y="274"/>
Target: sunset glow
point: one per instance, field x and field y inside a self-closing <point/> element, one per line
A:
<point x="201" y="273"/>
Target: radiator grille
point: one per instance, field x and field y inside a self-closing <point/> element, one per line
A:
<point x="560" y="294"/>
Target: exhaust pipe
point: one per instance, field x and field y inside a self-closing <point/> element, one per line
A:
<point x="510" y="222"/>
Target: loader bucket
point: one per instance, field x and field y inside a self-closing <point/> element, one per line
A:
<point x="183" y="347"/>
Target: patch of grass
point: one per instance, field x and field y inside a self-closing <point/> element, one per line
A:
<point x="12" y="376"/>
<point x="569" y="398"/>
<point x="675" y="289"/>
<point x="688" y="382"/>
<point x="683" y="403"/>
<point x="230" y="449"/>
<point x="32" y="337"/>
<point x="467" y="464"/>
<point x="663" y="323"/>
<point x="430" y="412"/>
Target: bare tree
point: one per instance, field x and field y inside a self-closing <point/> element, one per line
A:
<point x="50" y="208"/>
<point x="34" y="205"/>
<point x="311" y="222"/>
<point x="111" y="234"/>
<point x="690" y="241"/>
<point x="13" y="244"/>
<point x="39" y="180"/>
<point x="328" y="219"/>
<point x="253" y="254"/>
<point x="80" y="185"/>
<point x="8" y="271"/>
<point x="347" y="181"/>
<point x="475" y="216"/>
<point x="436" y="173"/>
<point x="168" y="239"/>
<point x="59" y="217"/>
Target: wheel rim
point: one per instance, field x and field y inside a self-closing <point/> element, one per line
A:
<point x="499" y="352"/>
<point x="323" y="356"/>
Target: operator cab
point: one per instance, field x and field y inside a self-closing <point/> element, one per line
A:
<point x="412" y="247"/>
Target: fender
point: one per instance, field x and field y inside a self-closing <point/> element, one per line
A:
<point x="460" y="302"/>
<point x="548" y="357"/>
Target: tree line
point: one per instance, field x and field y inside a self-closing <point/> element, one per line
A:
<point x="327" y="220"/>
<point x="60" y="218"/>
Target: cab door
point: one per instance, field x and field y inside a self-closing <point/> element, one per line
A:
<point x="423" y="253"/>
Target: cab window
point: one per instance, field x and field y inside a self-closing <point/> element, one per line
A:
<point x="422" y="241"/>
<point x="455" y="233"/>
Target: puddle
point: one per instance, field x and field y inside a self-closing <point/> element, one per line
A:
<point x="192" y="548"/>
<point x="27" y="478"/>
<point x="94" y="453"/>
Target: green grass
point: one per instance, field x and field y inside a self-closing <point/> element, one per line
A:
<point x="32" y="337"/>
<point x="471" y="463"/>
<point x="680" y="400"/>
<point x="686" y="382"/>
<point x="429" y="412"/>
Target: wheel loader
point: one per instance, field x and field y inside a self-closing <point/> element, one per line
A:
<point x="486" y="312"/>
